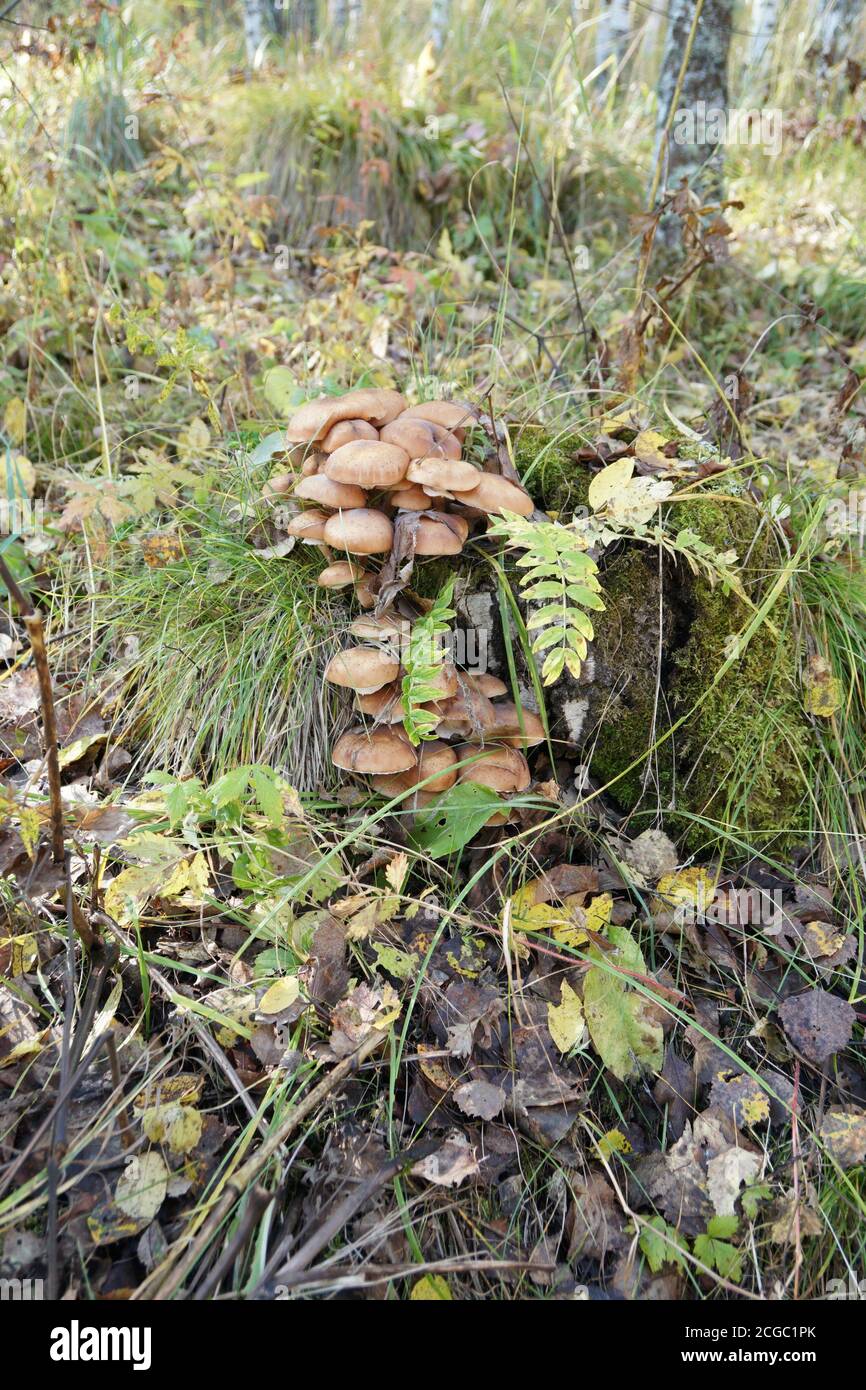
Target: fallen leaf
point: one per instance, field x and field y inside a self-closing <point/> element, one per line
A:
<point x="281" y="995"/>
<point x="623" y="1029"/>
<point x="479" y="1098"/>
<point x="726" y="1174"/>
<point x="844" y="1134"/>
<point x="565" y="1020"/>
<point x="432" y="1288"/>
<point x="449" y="1165"/>
<point x="141" y="1187"/>
<point x="818" y="1024"/>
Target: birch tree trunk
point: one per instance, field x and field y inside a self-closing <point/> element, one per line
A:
<point x="840" y="22"/>
<point x="440" y="20"/>
<point x="613" y="31"/>
<point x="765" y="16"/>
<point x="254" y="28"/>
<point x="693" y="147"/>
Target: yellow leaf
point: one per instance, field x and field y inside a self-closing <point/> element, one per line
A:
<point x="199" y="879"/>
<point x="432" y="1288"/>
<point x="687" y="891"/>
<point x="141" y="1187"/>
<point x="127" y="892"/>
<point x="15" y="419"/>
<point x="648" y="448"/>
<point x="822" y="690"/>
<point x="23" y="953"/>
<point x="177" y="881"/>
<point x="614" y="1142"/>
<point x="179" y="1126"/>
<point x="565" y="1020"/>
<point x="396" y="870"/>
<point x="609" y="482"/>
<point x="281" y="995"/>
<point x="598" y="912"/>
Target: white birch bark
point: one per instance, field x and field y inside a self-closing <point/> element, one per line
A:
<point x="612" y="32"/>
<point x="254" y="28"/>
<point x="697" y="132"/>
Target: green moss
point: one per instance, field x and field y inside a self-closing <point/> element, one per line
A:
<point x="743" y="744"/>
<point x="623" y="733"/>
<point x="737" y="759"/>
<point x="550" y="469"/>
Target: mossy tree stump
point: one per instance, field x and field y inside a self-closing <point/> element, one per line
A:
<point x="728" y="752"/>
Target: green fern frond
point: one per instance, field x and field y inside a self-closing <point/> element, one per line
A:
<point x="422" y="665"/>
<point x="561" y="571"/>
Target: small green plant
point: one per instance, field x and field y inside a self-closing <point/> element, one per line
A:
<point x="563" y="576"/>
<point x="422" y="665"/>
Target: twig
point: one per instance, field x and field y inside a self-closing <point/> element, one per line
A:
<point x="58" y="1135"/>
<point x="294" y="1270"/>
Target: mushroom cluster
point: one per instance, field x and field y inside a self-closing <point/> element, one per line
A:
<point x="364" y="459"/>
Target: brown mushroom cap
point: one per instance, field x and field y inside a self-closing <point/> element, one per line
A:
<point x="493" y="493"/>
<point x="390" y="628"/>
<point x="508" y="727"/>
<point x="340" y="574"/>
<point x="364" y="669"/>
<point x="325" y="491"/>
<point x="385" y="706"/>
<point x="503" y="769"/>
<point x="411" y="498"/>
<point x="345" y="431"/>
<point x="394" y="784"/>
<point x="491" y="686"/>
<point x="368" y="463"/>
<point x="360" y="531"/>
<point x="278" y="485"/>
<point x="444" y="475"/>
<point x="315" y="419"/>
<point x="465" y="714"/>
<point x="373" y="751"/>
<point x="451" y="415"/>
<point x="421" y="438"/>
<point x="437" y="761"/>
<point x="308" y="526"/>
<point x="440" y="534"/>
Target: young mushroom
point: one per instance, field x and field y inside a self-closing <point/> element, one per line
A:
<point x="383" y="706"/>
<point x="345" y="431"/>
<point x="450" y="415"/>
<point x="327" y="493"/>
<point x="440" y="534"/>
<point x="362" y="669"/>
<point x="444" y="475"/>
<point x="314" y="420"/>
<point x="340" y="575"/>
<point x="421" y="439"/>
<point x="367" y="463"/>
<point x="309" y="526"/>
<point x="493" y="493"/>
<point x="359" y="531"/>
<point x="519" y="728"/>
<point x="374" y="751"/>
